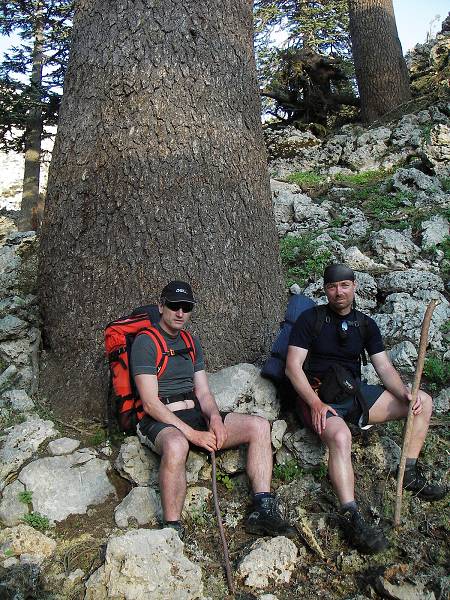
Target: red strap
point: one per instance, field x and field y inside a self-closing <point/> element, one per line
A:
<point x="189" y="341"/>
<point x="162" y="350"/>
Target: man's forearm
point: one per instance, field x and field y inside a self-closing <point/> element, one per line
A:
<point x="393" y="382"/>
<point x="208" y="405"/>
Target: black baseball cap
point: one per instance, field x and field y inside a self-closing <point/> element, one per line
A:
<point x="178" y="291"/>
<point x="338" y="272"/>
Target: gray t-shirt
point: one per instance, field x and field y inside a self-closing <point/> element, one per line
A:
<point x="178" y="377"/>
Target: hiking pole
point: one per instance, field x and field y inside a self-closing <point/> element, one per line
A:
<point x="410" y="418"/>
<point x="219" y="522"/>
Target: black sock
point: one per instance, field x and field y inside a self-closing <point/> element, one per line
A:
<point x="259" y="496"/>
<point x="411" y="463"/>
<point x="349" y="506"/>
<point x="171" y="522"/>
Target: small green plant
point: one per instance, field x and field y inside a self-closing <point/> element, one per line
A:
<point x="361" y="179"/>
<point x="302" y="259"/>
<point x="445" y="182"/>
<point x="8" y="553"/>
<point x="98" y="437"/>
<point x="306" y="179"/>
<point x="289" y="471"/>
<point x="37" y="521"/>
<point x="320" y="472"/>
<point x="224" y="479"/>
<point x="445" y="327"/>
<point x="198" y="516"/>
<point x="26" y="497"/>
<point x="437" y="371"/>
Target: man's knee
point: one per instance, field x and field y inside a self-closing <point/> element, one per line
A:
<point x="174" y="445"/>
<point x="259" y="429"/>
<point x="339" y="439"/>
<point x="427" y="403"/>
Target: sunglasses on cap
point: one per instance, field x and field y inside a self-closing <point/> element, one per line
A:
<point x="186" y="307"/>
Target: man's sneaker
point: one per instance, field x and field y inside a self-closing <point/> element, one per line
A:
<point x="415" y="481"/>
<point x="266" y="519"/>
<point x="177" y="526"/>
<point x="362" y="536"/>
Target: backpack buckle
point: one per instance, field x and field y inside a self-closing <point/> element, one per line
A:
<point x="171" y="352"/>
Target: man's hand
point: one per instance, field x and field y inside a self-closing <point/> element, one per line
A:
<point x="204" y="439"/>
<point x="418" y="404"/>
<point x="217" y="427"/>
<point x="319" y="415"/>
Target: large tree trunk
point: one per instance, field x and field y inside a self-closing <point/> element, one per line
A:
<point x="33" y="133"/>
<point x="159" y="172"/>
<point x="381" y="71"/>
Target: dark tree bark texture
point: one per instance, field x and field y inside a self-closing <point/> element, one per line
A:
<point x="159" y="172"/>
<point x="381" y="71"/>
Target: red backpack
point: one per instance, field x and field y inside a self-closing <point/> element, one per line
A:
<point x="119" y="337"/>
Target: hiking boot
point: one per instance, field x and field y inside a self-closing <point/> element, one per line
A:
<point x="366" y="538"/>
<point x="177" y="526"/>
<point x="266" y="519"/>
<point x="415" y="481"/>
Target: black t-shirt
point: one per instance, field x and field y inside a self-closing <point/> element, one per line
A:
<point x="328" y="348"/>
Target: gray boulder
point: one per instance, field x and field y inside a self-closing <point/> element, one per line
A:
<point x="434" y="231"/>
<point x="306" y="447"/>
<point x="11" y="508"/>
<point x="241" y="389"/>
<point x="407" y="180"/>
<point x="63" y="445"/>
<point x="20" y="443"/>
<point x="67" y="485"/>
<point x="437" y="150"/>
<point x="394" y="248"/>
<point x="409" y="281"/>
<point x="137" y="463"/>
<point x="404" y="356"/>
<point x="145" y="564"/>
<point x="271" y="560"/>
<point x="142" y="505"/>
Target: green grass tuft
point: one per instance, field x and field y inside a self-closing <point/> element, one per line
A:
<point x="302" y="259"/>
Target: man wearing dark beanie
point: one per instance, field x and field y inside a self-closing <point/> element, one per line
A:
<point x="324" y="366"/>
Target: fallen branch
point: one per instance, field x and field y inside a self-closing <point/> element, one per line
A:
<point x="308" y="536"/>
<point x="410" y="418"/>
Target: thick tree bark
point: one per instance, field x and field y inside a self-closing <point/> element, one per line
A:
<point x="381" y="71"/>
<point x="158" y="172"/>
<point x="33" y="133"/>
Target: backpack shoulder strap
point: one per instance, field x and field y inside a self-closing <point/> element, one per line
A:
<point x="190" y="345"/>
<point x="364" y="332"/>
<point x="321" y="316"/>
<point x="162" y="350"/>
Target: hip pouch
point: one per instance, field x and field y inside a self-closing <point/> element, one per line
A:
<point x="337" y="385"/>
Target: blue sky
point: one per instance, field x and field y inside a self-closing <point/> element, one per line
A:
<point x="413" y="21"/>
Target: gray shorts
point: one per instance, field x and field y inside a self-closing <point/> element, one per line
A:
<point x="349" y="409"/>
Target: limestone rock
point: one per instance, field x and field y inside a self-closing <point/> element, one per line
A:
<point x="394" y="248"/>
<point x="437" y="150"/>
<point x="195" y="466"/>
<point x="11" y="508"/>
<point x="283" y="195"/>
<point x="63" y="445"/>
<point x="11" y="327"/>
<point x="358" y="261"/>
<point x="278" y="430"/>
<point x="306" y="448"/>
<point x="142" y="504"/>
<point x="434" y="231"/>
<point x="407" y="180"/>
<point x="196" y="501"/>
<point x="273" y="560"/>
<point x="20" y="444"/>
<point x="404" y="356"/>
<point x="241" y="389"/>
<point x="383" y="454"/>
<point x="409" y="281"/>
<point x="233" y="461"/>
<point x="441" y="402"/>
<point x="309" y="213"/>
<point x="145" y="565"/>
<point x="403" y="591"/>
<point x="65" y="485"/>
<point x="18" y="400"/>
<point x="137" y="463"/>
<point x="23" y="539"/>
<point x="8" y="377"/>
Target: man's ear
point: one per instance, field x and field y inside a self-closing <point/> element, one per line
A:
<point x="160" y="308"/>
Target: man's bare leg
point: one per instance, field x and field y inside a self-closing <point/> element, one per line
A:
<point x="390" y="408"/>
<point x="254" y="431"/>
<point x="173" y="447"/>
<point x="338" y="438"/>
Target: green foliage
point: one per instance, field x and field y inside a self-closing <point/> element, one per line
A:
<point x="306" y="179"/>
<point x="8" y="553"/>
<point x="37" y="521"/>
<point x="288" y="471"/>
<point x="99" y="437"/>
<point x="436" y="370"/>
<point x="361" y="179"/>
<point x="302" y="259"/>
<point x="320" y="472"/>
<point x="445" y="264"/>
<point x="445" y="327"/>
<point x="223" y="478"/>
<point x="445" y="182"/>
<point x="26" y="497"/>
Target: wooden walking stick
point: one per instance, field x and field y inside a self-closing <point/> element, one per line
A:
<point x="410" y="418"/>
<point x="219" y="522"/>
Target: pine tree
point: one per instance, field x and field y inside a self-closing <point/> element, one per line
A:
<point x="44" y="29"/>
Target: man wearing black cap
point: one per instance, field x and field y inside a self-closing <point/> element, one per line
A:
<point x="181" y="411"/>
<point x="314" y="365"/>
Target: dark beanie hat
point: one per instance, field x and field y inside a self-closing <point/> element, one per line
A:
<point x="337" y="272"/>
